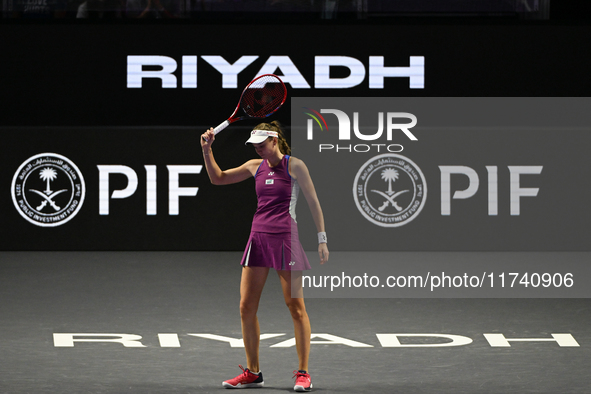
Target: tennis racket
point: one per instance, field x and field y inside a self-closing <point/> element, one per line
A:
<point x="262" y="97"/>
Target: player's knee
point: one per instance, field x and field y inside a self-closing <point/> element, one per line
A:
<point x="297" y="309"/>
<point x="247" y="309"/>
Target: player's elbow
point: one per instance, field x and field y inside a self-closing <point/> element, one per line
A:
<point x="218" y="179"/>
<point x="215" y="179"/>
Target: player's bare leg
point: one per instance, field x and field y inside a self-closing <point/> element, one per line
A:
<point x="251" y="287"/>
<point x="291" y="281"/>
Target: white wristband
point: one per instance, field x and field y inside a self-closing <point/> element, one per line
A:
<point x="322" y="237"/>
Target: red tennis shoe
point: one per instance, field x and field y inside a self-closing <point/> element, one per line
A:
<point x="245" y="380"/>
<point x="303" y="381"/>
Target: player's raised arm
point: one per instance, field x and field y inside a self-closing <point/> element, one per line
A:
<point x="217" y="176"/>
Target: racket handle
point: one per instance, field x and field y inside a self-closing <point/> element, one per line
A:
<point x="219" y="128"/>
<point x="222" y="126"/>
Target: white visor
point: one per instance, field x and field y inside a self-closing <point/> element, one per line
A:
<point x="258" y="136"/>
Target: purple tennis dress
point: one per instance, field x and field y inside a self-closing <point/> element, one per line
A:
<point x="274" y="240"/>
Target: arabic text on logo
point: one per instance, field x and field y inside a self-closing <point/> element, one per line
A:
<point x="48" y="190"/>
<point x="390" y="190"/>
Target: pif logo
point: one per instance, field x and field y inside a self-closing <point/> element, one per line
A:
<point x="48" y="190"/>
<point x="390" y="190"/>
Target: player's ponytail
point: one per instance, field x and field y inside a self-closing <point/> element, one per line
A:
<point x="281" y="140"/>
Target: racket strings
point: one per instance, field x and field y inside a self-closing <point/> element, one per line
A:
<point x="263" y="97"/>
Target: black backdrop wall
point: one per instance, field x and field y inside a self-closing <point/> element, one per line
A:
<point x="65" y="93"/>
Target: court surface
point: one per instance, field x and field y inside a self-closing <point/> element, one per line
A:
<point x="144" y="294"/>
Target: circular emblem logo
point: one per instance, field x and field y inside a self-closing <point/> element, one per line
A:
<point x="390" y="190"/>
<point x="48" y="190"/>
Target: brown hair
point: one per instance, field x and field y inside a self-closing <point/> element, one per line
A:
<point x="281" y="140"/>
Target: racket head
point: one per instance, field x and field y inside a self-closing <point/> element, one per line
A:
<point x="263" y="96"/>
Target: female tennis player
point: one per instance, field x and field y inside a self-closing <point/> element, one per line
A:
<point x="273" y="242"/>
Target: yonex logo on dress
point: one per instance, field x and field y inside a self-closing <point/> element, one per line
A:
<point x="272" y="173"/>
